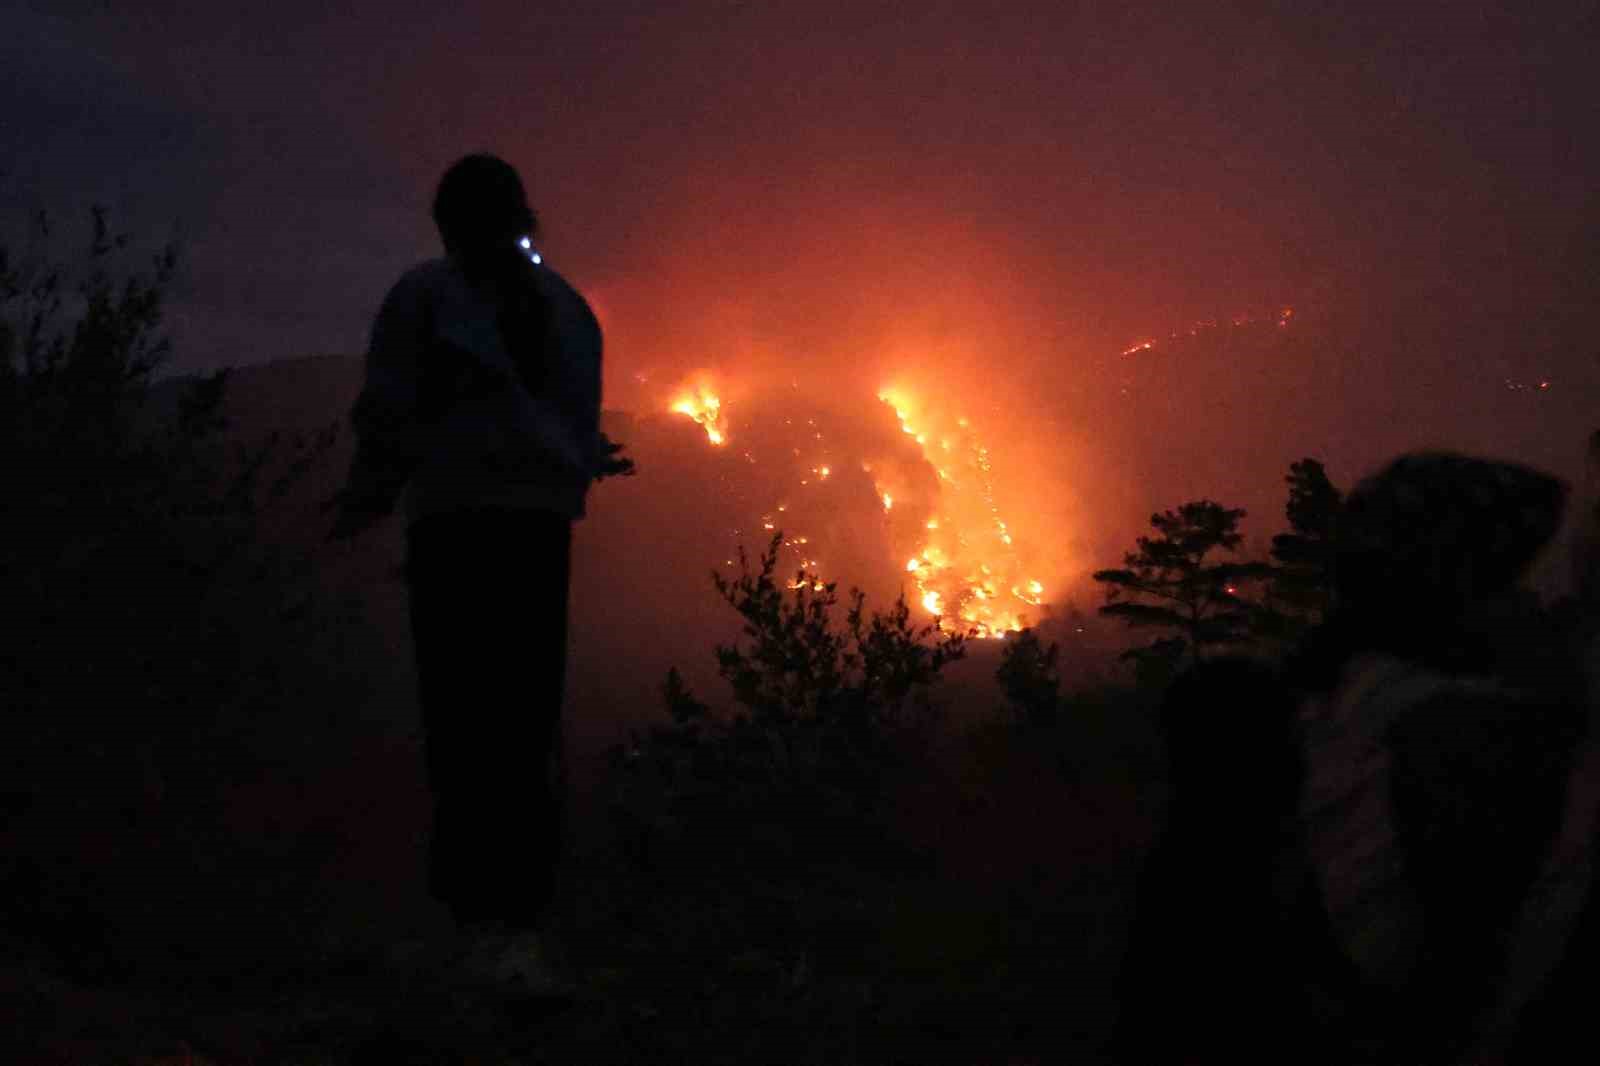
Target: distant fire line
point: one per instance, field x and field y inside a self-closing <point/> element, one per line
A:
<point x="1282" y="319"/>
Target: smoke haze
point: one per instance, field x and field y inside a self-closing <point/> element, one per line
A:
<point x="984" y="207"/>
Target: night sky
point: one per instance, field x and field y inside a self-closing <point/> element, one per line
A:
<point x="999" y="196"/>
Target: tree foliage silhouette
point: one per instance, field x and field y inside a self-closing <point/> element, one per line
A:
<point x="820" y="710"/>
<point x="1030" y="679"/>
<point x="1178" y="585"/>
<point x="133" y="548"/>
<point x="795" y="665"/>
<point x="78" y="344"/>
<point x="1303" y="579"/>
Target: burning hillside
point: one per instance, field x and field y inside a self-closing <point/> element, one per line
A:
<point x="927" y="480"/>
<point x="952" y="475"/>
<point x="937" y="486"/>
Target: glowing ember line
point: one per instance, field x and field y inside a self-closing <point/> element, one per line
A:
<point x="1243" y="318"/>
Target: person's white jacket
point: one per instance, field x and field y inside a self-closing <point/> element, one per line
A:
<point x="490" y="442"/>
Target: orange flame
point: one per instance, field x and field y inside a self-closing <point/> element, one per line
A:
<point x="965" y="564"/>
<point x="704" y="407"/>
<point x="960" y="554"/>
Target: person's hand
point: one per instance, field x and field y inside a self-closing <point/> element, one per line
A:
<point x="351" y="519"/>
<point x="347" y="525"/>
<point x="612" y="462"/>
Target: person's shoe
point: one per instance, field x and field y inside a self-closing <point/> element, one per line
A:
<point x="513" y="961"/>
<point x="525" y="966"/>
<point x="412" y="953"/>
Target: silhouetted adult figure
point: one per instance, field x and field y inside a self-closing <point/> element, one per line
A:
<point x="1442" y="716"/>
<point x="1559" y="1014"/>
<point x="481" y="404"/>
<point x="1231" y="957"/>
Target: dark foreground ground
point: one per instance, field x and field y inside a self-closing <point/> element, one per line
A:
<point x="252" y="898"/>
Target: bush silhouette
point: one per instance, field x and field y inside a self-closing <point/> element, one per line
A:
<point x="145" y="602"/>
<point x="1030" y="680"/>
<point x="820" y="708"/>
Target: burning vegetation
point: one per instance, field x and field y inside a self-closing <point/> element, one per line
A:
<point x="934" y="486"/>
<point x="916" y="477"/>
<point x="963" y="557"/>
<point x="705" y="408"/>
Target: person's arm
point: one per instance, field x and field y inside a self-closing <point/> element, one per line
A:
<point x="389" y="440"/>
<point x="588" y="423"/>
<point x="586" y="451"/>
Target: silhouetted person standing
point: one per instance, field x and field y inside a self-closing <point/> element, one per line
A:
<point x="1442" y="716"/>
<point x="481" y="405"/>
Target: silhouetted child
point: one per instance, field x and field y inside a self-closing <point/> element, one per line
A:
<point x="482" y="403"/>
<point x="1231" y="957"/>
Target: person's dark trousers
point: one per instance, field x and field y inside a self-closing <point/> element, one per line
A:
<point x="489" y="623"/>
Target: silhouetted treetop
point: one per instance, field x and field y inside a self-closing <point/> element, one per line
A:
<point x="1312" y="511"/>
<point x="1303" y="581"/>
<point x="1193" y="595"/>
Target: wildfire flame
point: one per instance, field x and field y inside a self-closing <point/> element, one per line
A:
<point x="961" y="555"/>
<point x="704" y="407"/>
<point x="934" y="484"/>
<point x="964" y="564"/>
